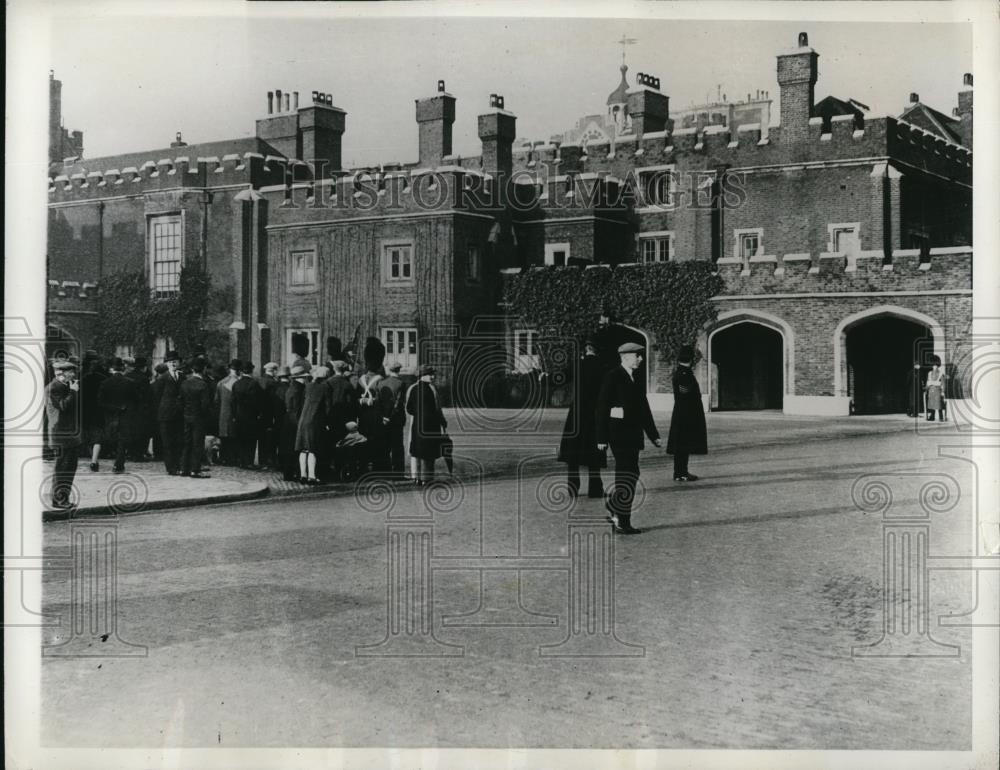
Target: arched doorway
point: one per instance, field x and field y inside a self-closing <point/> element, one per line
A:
<point x="881" y="353"/>
<point x="611" y="336"/>
<point x="748" y="359"/>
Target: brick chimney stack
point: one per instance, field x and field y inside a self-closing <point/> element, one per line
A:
<point x="435" y="116"/>
<point x="496" y="132"/>
<point x="648" y="108"/>
<point x="797" y="73"/>
<point x="312" y="133"/>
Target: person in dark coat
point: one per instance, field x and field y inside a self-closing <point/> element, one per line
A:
<point x="623" y="415"/>
<point x="224" y="407"/>
<point x="394" y="394"/>
<point x="118" y="397"/>
<point x="341" y="408"/>
<point x="688" y="434"/>
<point x="294" y="398"/>
<point x="313" y="425"/>
<point x="374" y="406"/>
<point x="61" y="407"/>
<point x="196" y="406"/>
<point x="169" y="418"/>
<point x="91" y="413"/>
<point x="579" y="439"/>
<point x="140" y="419"/>
<point x="268" y="422"/>
<point x="248" y="410"/>
<point x="429" y="425"/>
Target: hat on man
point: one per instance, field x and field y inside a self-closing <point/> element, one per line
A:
<point x="140" y="362"/>
<point x="351" y="426"/>
<point x="339" y="367"/>
<point x="172" y="355"/>
<point x="117" y="364"/>
<point x="236" y="365"/>
<point x="320" y="373"/>
<point x="247" y="367"/>
<point x="630" y="347"/>
<point x="284" y="371"/>
<point x="63" y="366"/>
<point x="686" y="354"/>
<point x="299" y="372"/>
<point x="395" y="366"/>
<point x="270" y="366"/>
<point x="424" y="370"/>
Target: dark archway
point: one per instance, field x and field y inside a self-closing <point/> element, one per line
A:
<point x="749" y="360"/>
<point x="880" y="358"/>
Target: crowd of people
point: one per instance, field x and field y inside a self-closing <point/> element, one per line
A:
<point x="312" y="423"/>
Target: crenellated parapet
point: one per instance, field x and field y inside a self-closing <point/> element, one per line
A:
<point x="942" y="269"/>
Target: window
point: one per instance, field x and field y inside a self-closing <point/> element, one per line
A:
<point x="401" y="345"/>
<point x="656" y="186"/>
<point x="397" y="262"/>
<point x="303" y="267"/>
<point x="656" y="247"/>
<point x="473" y="265"/>
<point x="749" y="243"/>
<point x="844" y="238"/>
<point x="525" y="350"/>
<point x="165" y="254"/>
<point x="312" y="350"/>
<point x="557" y="254"/>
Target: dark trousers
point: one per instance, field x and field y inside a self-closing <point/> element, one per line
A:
<point x="681" y="463"/>
<point x="397" y="458"/>
<point x="171" y="442"/>
<point x="193" y="447"/>
<point x="595" y="486"/>
<point x="114" y="430"/>
<point x="67" y="458"/>
<point x="245" y="449"/>
<point x="626" y="478"/>
<point x="269" y="447"/>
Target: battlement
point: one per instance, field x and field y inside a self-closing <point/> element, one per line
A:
<point x="944" y="269"/>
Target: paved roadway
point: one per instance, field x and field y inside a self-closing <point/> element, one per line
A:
<point x="746" y="594"/>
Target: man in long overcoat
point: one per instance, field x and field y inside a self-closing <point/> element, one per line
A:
<point x="623" y="415"/>
<point x="248" y="410"/>
<point x="169" y="418"/>
<point x="341" y="408"/>
<point x="395" y="394"/>
<point x="579" y="439"/>
<point x="427" y="437"/>
<point x="196" y="406"/>
<point x="688" y="434"/>
<point x="118" y="397"/>
<point x="270" y="421"/>
<point x="140" y="420"/>
<point x="224" y="406"/>
<point x="61" y="406"/>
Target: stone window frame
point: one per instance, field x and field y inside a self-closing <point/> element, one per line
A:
<point x="473" y="264"/>
<point x="173" y="217"/>
<point x="530" y="359"/>
<point x="833" y="228"/>
<point x="386" y="246"/>
<point x="671" y="204"/>
<point x="738" y="242"/>
<point x="303" y="286"/>
<point x="656" y="236"/>
<point x="552" y="248"/>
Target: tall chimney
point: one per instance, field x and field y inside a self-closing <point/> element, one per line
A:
<point x="497" y="130"/>
<point x="288" y="105"/>
<point x="797" y="73"/>
<point x="321" y="129"/>
<point x="435" y="116"/>
<point x="964" y="112"/>
<point x="295" y="100"/>
<point x="648" y="108"/>
<point x="277" y="95"/>
<point x="270" y="102"/>
<point x="914" y="98"/>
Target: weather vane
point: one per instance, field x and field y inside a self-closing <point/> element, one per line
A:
<point x="624" y="42"/>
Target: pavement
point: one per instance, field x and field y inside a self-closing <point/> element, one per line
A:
<point x="745" y="616"/>
<point x="492" y="442"/>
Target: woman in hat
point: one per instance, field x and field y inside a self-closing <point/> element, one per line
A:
<point x="934" y="390"/>
<point x="294" y="398"/>
<point x="688" y="434"/>
<point x="427" y="435"/>
<point x="312" y="425"/>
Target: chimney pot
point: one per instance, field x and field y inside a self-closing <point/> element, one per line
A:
<point x="288" y="99"/>
<point x="914" y="98"/>
<point x="967" y="79"/>
<point x="954" y="111"/>
<point x="295" y="100"/>
<point x="277" y="96"/>
<point x="440" y="86"/>
<point x="270" y="102"/>
<point x="803" y="40"/>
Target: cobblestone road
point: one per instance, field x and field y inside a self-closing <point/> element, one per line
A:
<point x="744" y="597"/>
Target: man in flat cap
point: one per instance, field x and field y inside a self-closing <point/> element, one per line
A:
<point x="61" y="407"/>
<point x="623" y="415"/>
<point x="395" y="393"/>
<point x="169" y="415"/>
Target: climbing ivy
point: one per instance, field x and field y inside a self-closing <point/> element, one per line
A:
<point x="671" y="300"/>
<point x="129" y="314"/>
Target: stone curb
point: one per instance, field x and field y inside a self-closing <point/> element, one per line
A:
<point x="257" y="490"/>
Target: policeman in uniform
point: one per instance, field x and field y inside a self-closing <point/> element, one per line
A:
<point x="623" y="415"/>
